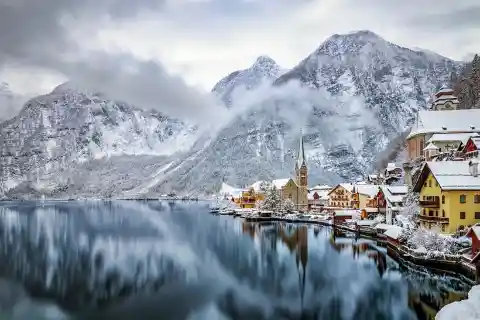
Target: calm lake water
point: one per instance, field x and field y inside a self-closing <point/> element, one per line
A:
<point x="160" y="260"/>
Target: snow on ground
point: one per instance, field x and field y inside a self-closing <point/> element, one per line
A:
<point x="468" y="309"/>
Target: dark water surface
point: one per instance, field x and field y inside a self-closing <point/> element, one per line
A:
<point x="160" y="260"/>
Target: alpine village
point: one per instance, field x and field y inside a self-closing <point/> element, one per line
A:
<point x="425" y="209"/>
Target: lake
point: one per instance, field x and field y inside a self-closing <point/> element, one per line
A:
<point x="173" y="260"/>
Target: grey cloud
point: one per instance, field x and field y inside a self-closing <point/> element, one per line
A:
<point x="462" y="18"/>
<point x="31" y="33"/>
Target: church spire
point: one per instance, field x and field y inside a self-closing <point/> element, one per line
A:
<point x="301" y="152"/>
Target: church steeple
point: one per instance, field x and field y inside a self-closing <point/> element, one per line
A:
<point x="301" y="164"/>
<point x="301" y="159"/>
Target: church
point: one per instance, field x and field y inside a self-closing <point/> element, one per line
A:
<point x="296" y="189"/>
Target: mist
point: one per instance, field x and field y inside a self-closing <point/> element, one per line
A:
<point x="45" y="34"/>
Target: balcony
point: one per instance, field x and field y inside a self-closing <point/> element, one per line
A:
<point x="434" y="219"/>
<point x="430" y="202"/>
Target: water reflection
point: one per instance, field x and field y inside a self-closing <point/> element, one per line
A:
<point x="124" y="260"/>
<point x="428" y="293"/>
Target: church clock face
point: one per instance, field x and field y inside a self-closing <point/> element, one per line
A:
<point x="448" y="106"/>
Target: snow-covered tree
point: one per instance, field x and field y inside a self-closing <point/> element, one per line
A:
<point x="411" y="208"/>
<point x="288" y="206"/>
<point x="272" y="199"/>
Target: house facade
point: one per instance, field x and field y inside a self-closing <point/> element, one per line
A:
<point x="449" y="195"/>
<point x="341" y="196"/>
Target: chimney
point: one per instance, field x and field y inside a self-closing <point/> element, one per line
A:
<point x="473" y="167"/>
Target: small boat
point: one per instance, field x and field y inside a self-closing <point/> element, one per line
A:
<point x="226" y="212"/>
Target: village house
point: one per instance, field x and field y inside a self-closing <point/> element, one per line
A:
<point x="392" y="173"/>
<point x="318" y="197"/>
<point x="341" y="196"/>
<point x="391" y="201"/>
<point x="471" y="147"/>
<point x="363" y="194"/>
<point x="449" y="195"/>
<point x="443" y="118"/>
<point x="429" y="123"/>
<point x="474" y="234"/>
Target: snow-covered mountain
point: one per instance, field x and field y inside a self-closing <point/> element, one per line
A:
<point x="264" y="70"/>
<point x="9" y="102"/>
<point x="65" y="128"/>
<point x="351" y="96"/>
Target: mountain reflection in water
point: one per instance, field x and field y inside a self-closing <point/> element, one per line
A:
<point x="145" y="260"/>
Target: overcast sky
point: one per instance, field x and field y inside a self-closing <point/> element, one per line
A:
<point x="134" y="47"/>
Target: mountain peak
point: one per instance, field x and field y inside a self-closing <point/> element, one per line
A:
<point x="264" y="61"/>
<point x="360" y="36"/>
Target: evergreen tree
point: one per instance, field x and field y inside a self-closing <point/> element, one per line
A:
<point x="272" y="199"/>
<point x="288" y="206"/>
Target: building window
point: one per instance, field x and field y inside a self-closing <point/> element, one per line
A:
<point x="443" y="213"/>
<point x="430" y="183"/>
<point x="477" y="215"/>
<point x="443" y="199"/>
<point x="436" y="183"/>
<point x="462" y="215"/>
<point x="444" y="227"/>
<point x="430" y="213"/>
<point x="463" y="198"/>
<point x="424" y="211"/>
<point x="425" y="184"/>
<point x="436" y="213"/>
<point x="476" y="198"/>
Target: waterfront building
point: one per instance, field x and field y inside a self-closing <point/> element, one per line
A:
<point x="474" y="234"/>
<point x="392" y="173"/>
<point x="341" y="196"/>
<point x="318" y="197"/>
<point x="449" y="195"/>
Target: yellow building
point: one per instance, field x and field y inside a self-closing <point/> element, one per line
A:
<point x="248" y="198"/>
<point x="341" y="196"/>
<point x="362" y="194"/>
<point x="449" y="195"/>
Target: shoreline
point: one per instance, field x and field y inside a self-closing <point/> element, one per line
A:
<point x="459" y="268"/>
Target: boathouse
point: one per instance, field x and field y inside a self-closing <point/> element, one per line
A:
<point x="474" y="234"/>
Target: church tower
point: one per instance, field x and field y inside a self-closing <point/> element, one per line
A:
<point x="445" y="99"/>
<point x="301" y="176"/>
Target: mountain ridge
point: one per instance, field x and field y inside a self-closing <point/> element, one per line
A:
<point x="352" y="96"/>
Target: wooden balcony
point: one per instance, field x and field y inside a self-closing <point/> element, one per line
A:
<point x="433" y="202"/>
<point x="434" y="219"/>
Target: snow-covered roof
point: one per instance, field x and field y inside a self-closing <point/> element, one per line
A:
<point x="392" y="166"/>
<point x="279" y="183"/>
<point x="345" y="213"/>
<point x="383" y="226"/>
<point x="476" y="141"/>
<point x="475" y="229"/>
<point x="393" y="232"/>
<point x="372" y="176"/>
<point x="430" y="146"/>
<point x="368" y="223"/>
<point x="231" y="191"/>
<point x="398" y="189"/>
<point x="370" y="190"/>
<point x="347" y="186"/>
<point x="444" y="89"/>
<point x="256" y="185"/>
<point x="454" y="175"/>
<point x="321" y="187"/>
<point x="448" y="121"/>
<point x="446" y="137"/>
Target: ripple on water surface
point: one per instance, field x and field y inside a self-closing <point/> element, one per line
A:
<point x="140" y="260"/>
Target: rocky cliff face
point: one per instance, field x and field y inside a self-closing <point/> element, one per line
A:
<point x="264" y="70"/>
<point x="351" y="97"/>
<point x="65" y="128"/>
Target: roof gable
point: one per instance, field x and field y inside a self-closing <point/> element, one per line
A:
<point x="450" y="175"/>
<point x="345" y="186"/>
